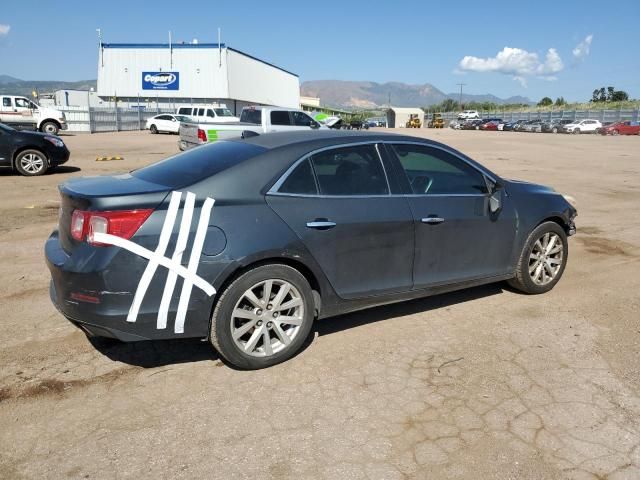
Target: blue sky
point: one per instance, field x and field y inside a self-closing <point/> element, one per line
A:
<point x="506" y="45"/>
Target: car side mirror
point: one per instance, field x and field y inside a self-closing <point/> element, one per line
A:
<point x="314" y="125"/>
<point x="495" y="201"/>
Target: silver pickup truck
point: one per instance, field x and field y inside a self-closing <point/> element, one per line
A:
<point x="253" y="121"/>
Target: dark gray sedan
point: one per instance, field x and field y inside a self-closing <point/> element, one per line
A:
<point x="247" y="242"/>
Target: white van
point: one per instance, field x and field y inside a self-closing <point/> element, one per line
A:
<point x="208" y="113"/>
<point x="20" y="111"/>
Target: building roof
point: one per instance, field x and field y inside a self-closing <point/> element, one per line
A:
<point x="191" y="46"/>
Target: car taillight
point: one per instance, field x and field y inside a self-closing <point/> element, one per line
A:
<point x="202" y="135"/>
<point x="121" y="223"/>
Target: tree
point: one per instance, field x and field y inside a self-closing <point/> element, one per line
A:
<point x="619" y="96"/>
<point x="595" y="97"/>
<point x="545" y="102"/>
<point x="602" y="95"/>
<point x="560" y="101"/>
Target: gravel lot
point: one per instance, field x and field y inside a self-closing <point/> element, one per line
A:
<point x="479" y="384"/>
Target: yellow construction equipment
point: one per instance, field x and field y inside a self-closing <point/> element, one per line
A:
<point x="436" y="121"/>
<point x="414" y="121"/>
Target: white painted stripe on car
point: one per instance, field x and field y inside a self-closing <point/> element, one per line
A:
<point x="181" y="245"/>
<point x="194" y="260"/>
<point x="152" y="266"/>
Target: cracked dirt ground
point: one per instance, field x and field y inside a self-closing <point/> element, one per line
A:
<point x="478" y="384"/>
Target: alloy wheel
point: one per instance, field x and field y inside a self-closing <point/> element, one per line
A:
<point x="267" y="318"/>
<point x="545" y="260"/>
<point x="32" y="163"/>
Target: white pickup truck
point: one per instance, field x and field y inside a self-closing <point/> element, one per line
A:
<point x="23" y="113"/>
<point x="256" y="120"/>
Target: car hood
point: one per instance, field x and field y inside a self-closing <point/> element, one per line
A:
<point x="528" y="187"/>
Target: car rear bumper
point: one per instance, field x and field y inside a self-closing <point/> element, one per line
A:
<point x="96" y="290"/>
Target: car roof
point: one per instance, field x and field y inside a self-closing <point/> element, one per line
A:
<point x="327" y="138"/>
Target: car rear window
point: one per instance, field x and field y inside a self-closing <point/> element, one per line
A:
<point x="197" y="164"/>
<point x="249" y="115"/>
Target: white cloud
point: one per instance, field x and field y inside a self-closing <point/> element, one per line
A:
<point x="4" y="29"/>
<point x="583" y="48"/>
<point x="516" y="62"/>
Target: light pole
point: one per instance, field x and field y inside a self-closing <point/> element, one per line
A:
<point x="461" y="85"/>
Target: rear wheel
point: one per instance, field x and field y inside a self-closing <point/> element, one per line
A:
<point x="543" y="259"/>
<point x="153" y="129"/>
<point x="263" y="317"/>
<point x="577" y="131"/>
<point x="554" y="130"/>
<point x="615" y="132"/>
<point x="31" y="163"/>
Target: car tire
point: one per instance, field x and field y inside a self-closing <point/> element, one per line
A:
<point x="153" y="129"/>
<point x="244" y="318"/>
<point x="50" y="127"/>
<point x="532" y="276"/>
<point x="31" y="163"/>
<point x="576" y="131"/>
<point x="554" y="130"/>
<point x="615" y="132"/>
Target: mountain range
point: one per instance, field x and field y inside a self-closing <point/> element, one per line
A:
<point x="372" y="95"/>
<point x="14" y="86"/>
<point x="336" y="93"/>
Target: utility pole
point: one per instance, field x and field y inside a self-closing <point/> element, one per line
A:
<point x="461" y="85"/>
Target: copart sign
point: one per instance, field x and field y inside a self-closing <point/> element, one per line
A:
<point x="160" y="80"/>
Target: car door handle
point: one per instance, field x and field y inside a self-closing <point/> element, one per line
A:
<point x="432" y="220"/>
<point x="321" y="224"/>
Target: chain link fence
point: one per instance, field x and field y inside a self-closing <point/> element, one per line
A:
<point x="109" y="119"/>
<point x="604" y="116"/>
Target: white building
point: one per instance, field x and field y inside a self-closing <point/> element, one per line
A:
<point x="398" y="117"/>
<point x="169" y="74"/>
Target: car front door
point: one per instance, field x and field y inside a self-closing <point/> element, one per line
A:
<point x="302" y="121"/>
<point x="338" y="202"/>
<point x="457" y="237"/>
<point x="5" y="146"/>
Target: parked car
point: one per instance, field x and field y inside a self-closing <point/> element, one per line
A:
<point x="30" y="153"/>
<point x="490" y="125"/>
<point x="216" y="113"/>
<point x="472" y="124"/>
<point x="468" y="114"/>
<point x="253" y="121"/>
<point x="306" y="225"/>
<point x="522" y="126"/>
<point x="621" y="128"/>
<point x="510" y="126"/>
<point x="555" y="126"/>
<point x="23" y="113"/>
<point x="583" y="126"/>
<point x="533" y="126"/>
<point x="166" y="122"/>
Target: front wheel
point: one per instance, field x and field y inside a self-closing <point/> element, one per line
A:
<point x="543" y="259"/>
<point x="31" y="163"/>
<point x="615" y="132"/>
<point x="576" y="131"/>
<point x="50" y="127"/>
<point x="263" y="317"/>
<point x="153" y="129"/>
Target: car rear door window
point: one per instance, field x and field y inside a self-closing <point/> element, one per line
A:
<point x="210" y="113"/>
<point x="300" y="181"/>
<point x="6" y="102"/>
<point x="432" y="171"/>
<point x="355" y="170"/>
<point x="280" y="117"/>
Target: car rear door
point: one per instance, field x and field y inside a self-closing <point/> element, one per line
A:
<point x="338" y="201"/>
<point x="280" y="121"/>
<point x="456" y="237"/>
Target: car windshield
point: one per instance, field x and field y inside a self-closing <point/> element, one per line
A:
<point x="197" y="164"/>
<point x="250" y="115"/>
<point x="182" y="118"/>
<point x="223" y="112"/>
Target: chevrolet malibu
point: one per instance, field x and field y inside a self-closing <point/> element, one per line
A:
<point x="246" y="242"/>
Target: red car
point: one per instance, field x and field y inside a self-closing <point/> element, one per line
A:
<point x="489" y="126"/>
<point x="621" y="128"/>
